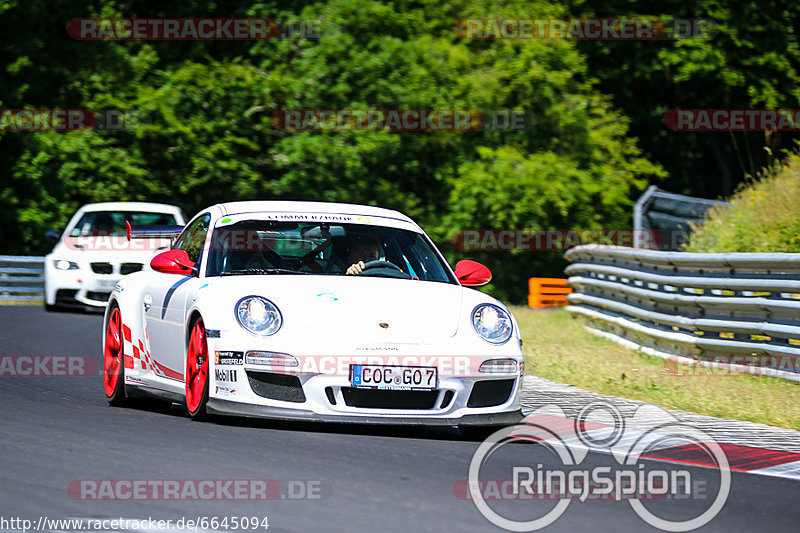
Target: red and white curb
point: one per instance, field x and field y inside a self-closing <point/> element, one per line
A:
<point x="749" y="447"/>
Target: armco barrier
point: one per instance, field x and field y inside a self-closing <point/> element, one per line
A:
<point x="737" y="311"/>
<point x="21" y="278"/>
<point x="546" y="292"/>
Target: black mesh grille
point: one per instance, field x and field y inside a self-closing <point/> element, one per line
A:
<point x="276" y="386"/>
<point x="389" y="399"/>
<point x="490" y="393"/>
<point x="102" y="268"/>
<point x="127" y="268"/>
<point x="448" y="397"/>
<point x="329" y="394"/>
<point x="99" y="296"/>
<point x="66" y="296"/>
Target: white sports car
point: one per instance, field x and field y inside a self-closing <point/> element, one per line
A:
<point x="93" y="253"/>
<point x="313" y="311"/>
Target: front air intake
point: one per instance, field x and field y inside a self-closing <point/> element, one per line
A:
<point x="489" y="393"/>
<point x="276" y="386"/>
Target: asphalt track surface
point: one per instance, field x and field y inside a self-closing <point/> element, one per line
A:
<point x="59" y="429"/>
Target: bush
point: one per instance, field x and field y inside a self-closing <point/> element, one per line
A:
<point x="764" y="215"/>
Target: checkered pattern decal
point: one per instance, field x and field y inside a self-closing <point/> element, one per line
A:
<point x="137" y="354"/>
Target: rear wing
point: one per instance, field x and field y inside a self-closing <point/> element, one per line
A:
<point x="152" y="232"/>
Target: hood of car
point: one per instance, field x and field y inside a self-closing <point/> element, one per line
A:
<point x="372" y="310"/>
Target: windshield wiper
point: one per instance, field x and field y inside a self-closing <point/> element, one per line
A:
<point x="261" y="271"/>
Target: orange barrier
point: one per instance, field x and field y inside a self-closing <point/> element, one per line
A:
<point x="546" y="292"/>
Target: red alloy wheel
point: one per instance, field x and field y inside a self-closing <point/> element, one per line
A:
<point x="197" y="370"/>
<point x="113" y="367"/>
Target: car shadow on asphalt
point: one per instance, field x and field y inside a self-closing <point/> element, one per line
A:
<point x="344" y="428"/>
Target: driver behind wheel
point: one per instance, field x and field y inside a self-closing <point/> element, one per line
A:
<point x="363" y="250"/>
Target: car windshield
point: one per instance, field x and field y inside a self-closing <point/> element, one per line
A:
<point x="113" y="222"/>
<point x="277" y="247"/>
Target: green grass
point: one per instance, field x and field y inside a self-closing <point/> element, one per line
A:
<point x="764" y="216"/>
<point x="558" y="348"/>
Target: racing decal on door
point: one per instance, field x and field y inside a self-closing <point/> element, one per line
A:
<point x="126" y="338"/>
<point x="137" y="356"/>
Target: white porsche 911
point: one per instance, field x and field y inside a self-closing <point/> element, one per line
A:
<point x="313" y="311"/>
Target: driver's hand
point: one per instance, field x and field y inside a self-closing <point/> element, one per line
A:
<point x="356" y="268"/>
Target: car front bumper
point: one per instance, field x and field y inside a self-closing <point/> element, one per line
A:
<point x="226" y="407"/>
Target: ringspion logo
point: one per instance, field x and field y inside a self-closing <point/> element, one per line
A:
<point x="625" y="478"/>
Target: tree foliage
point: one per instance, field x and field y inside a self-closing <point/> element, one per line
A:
<point x="210" y="135"/>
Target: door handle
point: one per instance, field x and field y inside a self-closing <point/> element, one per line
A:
<point x="148" y="302"/>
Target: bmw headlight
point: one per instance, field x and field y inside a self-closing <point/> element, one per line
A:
<point x="63" y="264"/>
<point x="492" y="323"/>
<point x="258" y="315"/>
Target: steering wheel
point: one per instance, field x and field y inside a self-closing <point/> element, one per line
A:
<point x="381" y="264"/>
<point x="257" y="261"/>
<point x="383" y="268"/>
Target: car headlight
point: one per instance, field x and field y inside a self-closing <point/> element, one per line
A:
<point x="258" y="315"/>
<point x="63" y="264"/>
<point x="492" y="323"/>
<point x="270" y="359"/>
<point x="500" y="366"/>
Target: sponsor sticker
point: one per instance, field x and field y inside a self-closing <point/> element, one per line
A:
<point x="225" y="390"/>
<point x="228" y="358"/>
<point x="225" y="375"/>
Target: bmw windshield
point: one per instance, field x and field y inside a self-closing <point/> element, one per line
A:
<point x="94" y="223"/>
<point x="277" y="247"/>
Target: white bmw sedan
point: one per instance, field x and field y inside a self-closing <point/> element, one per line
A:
<point x="93" y="253"/>
<point x="313" y="311"/>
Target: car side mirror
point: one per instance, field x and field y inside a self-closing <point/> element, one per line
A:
<point x="53" y="235"/>
<point x="173" y="262"/>
<point x="472" y="273"/>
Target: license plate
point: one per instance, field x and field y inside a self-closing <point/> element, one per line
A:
<point x="394" y="377"/>
<point x="105" y="284"/>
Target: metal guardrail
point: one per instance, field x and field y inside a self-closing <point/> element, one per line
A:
<point x="733" y="311"/>
<point x="670" y="215"/>
<point x="21" y="278"/>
